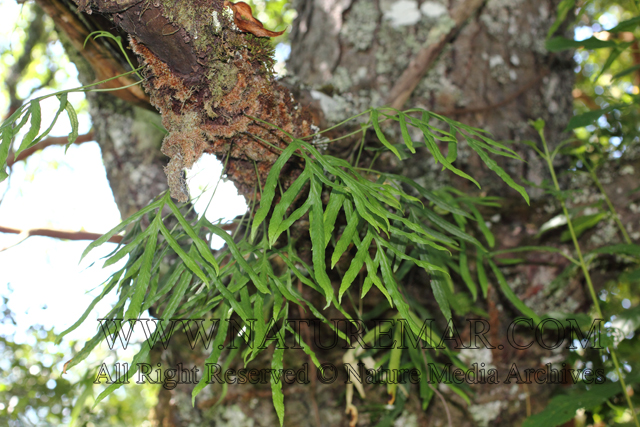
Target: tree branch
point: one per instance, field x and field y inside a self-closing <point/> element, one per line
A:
<point x="58" y="234"/>
<point x="419" y="65"/>
<point x="213" y="86"/>
<point x="54" y="140"/>
<point x="104" y="61"/>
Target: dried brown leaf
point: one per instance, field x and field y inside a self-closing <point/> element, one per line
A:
<point x="64" y="369"/>
<point x="246" y="22"/>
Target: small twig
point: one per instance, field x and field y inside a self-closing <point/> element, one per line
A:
<point x="103" y="60"/>
<point x="58" y="234"/>
<point x="614" y="213"/>
<point x="419" y="65"/>
<point x="436" y="391"/>
<point x="54" y="140"/>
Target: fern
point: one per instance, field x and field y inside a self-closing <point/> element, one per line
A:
<point x="31" y="112"/>
<point x="391" y="229"/>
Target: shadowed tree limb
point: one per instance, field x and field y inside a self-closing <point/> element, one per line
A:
<point x="54" y="140"/>
<point x="58" y="234"/>
<point x="105" y="60"/>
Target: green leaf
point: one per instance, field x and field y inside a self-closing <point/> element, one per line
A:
<point x="428" y="267"/>
<point x="189" y="262"/>
<point x="86" y="350"/>
<point x="216" y="350"/>
<point x="371" y="211"/>
<point x="582" y="224"/>
<point x="491" y="164"/>
<point x="128" y="248"/>
<point x="416" y="238"/>
<point x="528" y="248"/>
<point x="347" y="235"/>
<point x="230" y="299"/>
<point x="202" y="247"/>
<point x="372" y="274"/>
<point x="4" y="152"/>
<point x="482" y="275"/>
<point x="305" y="347"/>
<point x="36" y="119"/>
<point x="564" y="7"/>
<point x="448" y="227"/>
<point x="392" y="293"/>
<point x="433" y="148"/>
<point x="394" y="363"/>
<point x="622" y="249"/>
<point x="615" y="52"/>
<point x="167" y="285"/>
<point x="177" y="292"/>
<point x="271" y="185"/>
<point x="366" y="286"/>
<point x="452" y="152"/>
<point x="381" y="137"/>
<point x="511" y="296"/>
<point x="585" y="119"/>
<point x="63" y="104"/>
<point x="276" y="386"/>
<point x="488" y="235"/>
<point x="626" y="72"/>
<point x="538" y="124"/>
<point x="316" y="230"/>
<point x="429" y="195"/>
<point x="466" y="273"/>
<point x="133" y="218"/>
<point x="356" y="264"/>
<point x="557" y="44"/>
<point x="628" y="25"/>
<point x="142" y="282"/>
<point x="275" y="225"/>
<point x="10" y="122"/>
<point x="73" y="119"/>
<point x="562" y="409"/>
<point x="441" y="294"/>
<point x="405" y="132"/>
<point x="331" y="213"/>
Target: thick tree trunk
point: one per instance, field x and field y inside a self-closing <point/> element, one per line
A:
<point x="493" y="73"/>
<point x="486" y="67"/>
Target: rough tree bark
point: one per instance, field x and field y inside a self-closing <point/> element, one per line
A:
<point x="490" y="71"/>
<point x="481" y="62"/>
